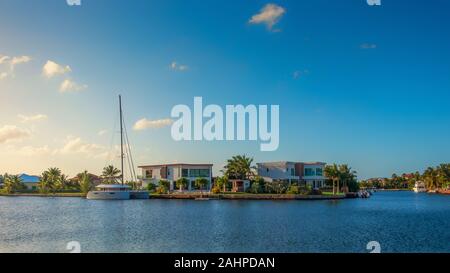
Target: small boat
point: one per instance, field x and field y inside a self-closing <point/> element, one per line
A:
<point x="110" y="192"/>
<point x="419" y="187"/>
<point x="364" y="194"/>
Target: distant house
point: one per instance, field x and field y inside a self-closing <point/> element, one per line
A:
<point x="173" y="172"/>
<point x="95" y="179"/>
<point x="308" y="173"/>
<point x="30" y="181"/>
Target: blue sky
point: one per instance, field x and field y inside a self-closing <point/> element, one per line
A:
<point x="357" y="84"/>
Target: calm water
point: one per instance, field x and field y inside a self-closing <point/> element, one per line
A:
<point x="399" y="221"/>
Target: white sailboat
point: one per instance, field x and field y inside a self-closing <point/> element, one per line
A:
<point x="419" y="186"/>
<point x="117" y="191"/>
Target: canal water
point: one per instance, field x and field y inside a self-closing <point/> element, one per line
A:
<point x="398" y="221"/>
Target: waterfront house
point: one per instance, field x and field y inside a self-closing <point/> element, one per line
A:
<point x="307" y="173"/>
<point x="30" y="181"/>
<point x="173" y="172"/>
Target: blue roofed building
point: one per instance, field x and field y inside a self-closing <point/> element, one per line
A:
<point x="30" y="181"/>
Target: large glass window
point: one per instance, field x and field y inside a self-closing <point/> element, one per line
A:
<point x="292" y="172"/>
<point x="149" y="174"/>
<point x="309" y="172"/>
<point x="319" y="172"/>
<point x="185" y="173"/>
<point x="199" y="173"/>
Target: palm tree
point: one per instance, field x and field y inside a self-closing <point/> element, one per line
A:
<point x="346" y="175"/>
<point x="51" y="180"/>
<point x="239" y="167"/>
<point x="12" y="183"/>
<point x="201" y="183"/>
<point x="332" y="173"/>
<point x="430" y="177"/>
<point x="110" y="174"/>
<point x="85" y="182"/>
<point x="182" y="183"/>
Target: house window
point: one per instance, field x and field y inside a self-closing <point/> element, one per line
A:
<point x="185" y="173"/>
<point x="199" y="172"/>
<point x="148" y="173"/>
<point x="319" y="172"/>
<point x="309" y="172"/>
<point x="267" y="170"/>
<point x="292" y="172"/>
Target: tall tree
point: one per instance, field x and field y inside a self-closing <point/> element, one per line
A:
<point x="201" y="183"/>
<point x="85" y="182"/>
<point x="12" y="183"/>
<point x="239" y="167"/>
<point x="182" y="183"/>
<point x="110" y="174"/>
<point x="332" y="173"/>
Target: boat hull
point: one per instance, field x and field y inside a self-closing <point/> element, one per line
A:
<point x="139" y="195"/>
<point x="108" y="195"/>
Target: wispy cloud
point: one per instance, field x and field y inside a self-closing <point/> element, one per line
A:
<point x="37" y="117"/>
<point x="12" y="62"/>
<point x="19" y="60"/>
<point x="30" y="151"/>
<point x="299" y="73"/>
<point x="144" y="124"/>
<point x="102" y="132"/>
<point x="368" y="46"/>
<point x="52" y="69"/>
<point x="76" y="145"/>
<point x="269" y="15"/>
<point x="12" y="133"/>
<point x="70" y="86"/>
<point x="178" y="67"/>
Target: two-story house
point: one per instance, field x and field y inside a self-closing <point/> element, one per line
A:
<point x="173" y="172"/>
<point x="309" y="173"/>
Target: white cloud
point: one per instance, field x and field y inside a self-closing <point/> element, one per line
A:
<point x="269" y="15"/>
<point x="38" y="117"/>
<point x="11" y="132"/>
<point x="144" y="123"/>
<point x="368" y="46"/>
<point x="33" y="151"/>
<point x="4" y="59"/>
<point x="19" y="60"/>
<point x="102" y="132"/>
<point x="12" y="62"/>
<point x="70" y="86"/>
<point x="178" y="67"/>
<point x="75" y="145"/>
<point x="52" y="69"/>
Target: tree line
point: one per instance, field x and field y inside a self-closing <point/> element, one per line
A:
<point x="434" y="178"/>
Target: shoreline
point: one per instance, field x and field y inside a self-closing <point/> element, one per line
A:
<point x="280" y="197"/>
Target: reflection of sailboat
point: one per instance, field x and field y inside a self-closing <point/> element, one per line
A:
<point x="118" y="191"/>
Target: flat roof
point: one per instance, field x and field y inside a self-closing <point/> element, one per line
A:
<point x="175" y="164"/>
<point x="291" y="162"/>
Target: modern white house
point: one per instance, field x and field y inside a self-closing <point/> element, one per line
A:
<point x="173" y="172"/>
<point x="309" y="173"/>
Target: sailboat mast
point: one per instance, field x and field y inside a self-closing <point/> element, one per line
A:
<point x="121" y="138"/>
